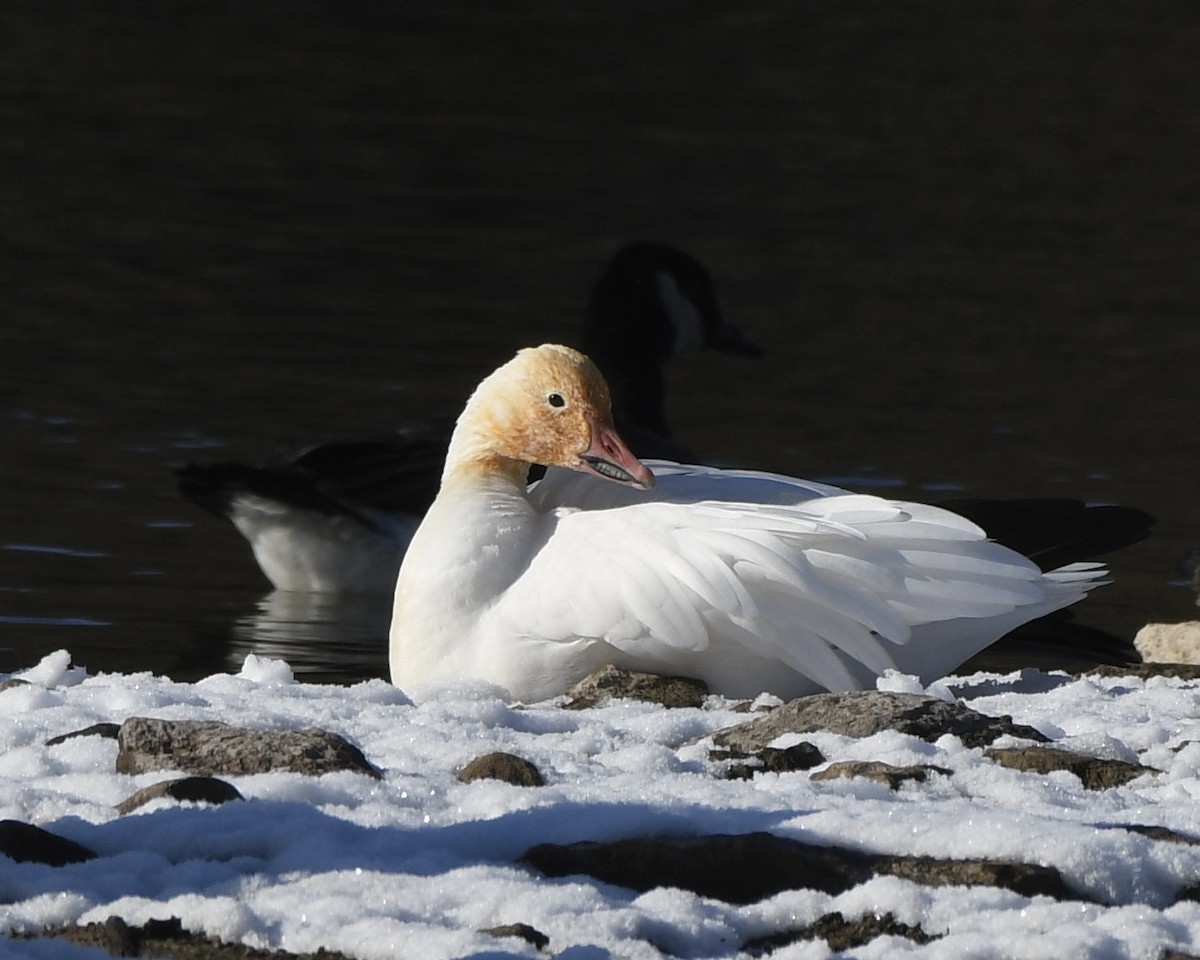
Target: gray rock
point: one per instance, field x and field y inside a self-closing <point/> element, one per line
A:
<point x="12" y="682"/>
<point x="107" y="730"/>
<point x="748" y="867"/>
<point x="611" y="683"/>
<point x="26" y="843"/>
<point x="1177" y="643"/>
<point x="502" y="766"/>
<point x="211" y="748"/>
<point x="888" y="774"/>
<point x="839" y="933"/>
<point x="162" y="938"/>
<point x="196" y="789"/>
<point x="120" y="939"/>
<point x="866" y="712"/>
<point x="1165" y="834"/>
<point x="1094" y="772"/>
<point x="799" y="756"/>
<point x="749" y="706"/>
<point x="1025" y="878"/>
<point x="522" y="931"/>
<point x="1179" y="671"/>
<point x="1191" y="893"/>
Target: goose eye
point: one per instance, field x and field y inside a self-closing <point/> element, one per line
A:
<point x="556" y="400"/>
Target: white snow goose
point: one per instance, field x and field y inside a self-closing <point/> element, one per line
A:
<point x="748" y="581"/>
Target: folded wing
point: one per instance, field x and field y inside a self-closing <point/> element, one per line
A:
<point x="805" y="574"/>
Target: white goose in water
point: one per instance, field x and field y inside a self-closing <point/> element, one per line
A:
<point x="748" y="581"/>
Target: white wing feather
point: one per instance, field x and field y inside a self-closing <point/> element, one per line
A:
<point x="748" y="581"/>
<point x="803" y="573"/>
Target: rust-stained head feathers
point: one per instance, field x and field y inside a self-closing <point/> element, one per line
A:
<point x="548" y="405"/>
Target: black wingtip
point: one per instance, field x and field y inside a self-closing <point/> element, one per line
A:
<point x="218" y="486"/>
<point x="1055" y="531"/>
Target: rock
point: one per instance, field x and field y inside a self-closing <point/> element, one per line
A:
<point x="1144" y="671"/>
<point x="611" y="683"/>
<point x="799" y="756"/>
<point x="1094" y="772"/>
<point x="1027" y="879"/>
<point x="1169" y="642"/>
<point x="12" y="682"/>
<point x="522" y="931"/>
<point x="210" y="748"/>
<point x="1165" y="834"/>
<point x="195" y="789"/>
<point x="164" y="938"/>
<point x="889" y="775"/>
<point x="26" y="843"/>
<point x="839" y="933"/>
<point x="106" y="730"/>
<point x="502" y="766"/>
<point x="120" y="939"/>
<point x="1190" y="893"/>
<point x="866" y="712"/>
<point x="748" y="867"/>
<point x="749" y="706"/>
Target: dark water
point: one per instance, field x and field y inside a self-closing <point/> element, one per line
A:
<point x="970" y="243"/>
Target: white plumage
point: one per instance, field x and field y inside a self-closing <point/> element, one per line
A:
<point x="749" y="581"/>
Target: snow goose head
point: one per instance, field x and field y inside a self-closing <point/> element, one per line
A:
<point x="548" y="405"/>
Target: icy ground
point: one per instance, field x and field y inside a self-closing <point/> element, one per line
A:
<point x="415" y="865"/>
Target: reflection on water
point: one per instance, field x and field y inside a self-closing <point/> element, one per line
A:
<point x="324" y="637"/>
<point x="54" y="621"/>
<point x="53" y="551"/>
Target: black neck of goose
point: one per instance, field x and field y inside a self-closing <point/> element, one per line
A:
<point x="637" y="395"/>
<point x="630" y="342"/>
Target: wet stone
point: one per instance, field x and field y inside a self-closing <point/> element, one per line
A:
<point x="799" y="756"/>
<point x="749" y="867"/>
<point x="840" y="933"/>
<point x="521" y="931"/>
<point x="890" y="775"/>
<point x="1094" y="772"/>
<point x="212" y="748"/>
<point x="108" y="731"/>
<point x="26" y="843"/>
<point x="1144" y="671"/>
<point x="1027" y="879"/>
<point x="502" y="766"/>
<point x="611" y="683"/>
<point x="118" y="938"/>
<point x="164" y="938"/>
<point x="194" y="789"/>
<point x="1164" y="834"/>
<point x="864" y="713"/>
